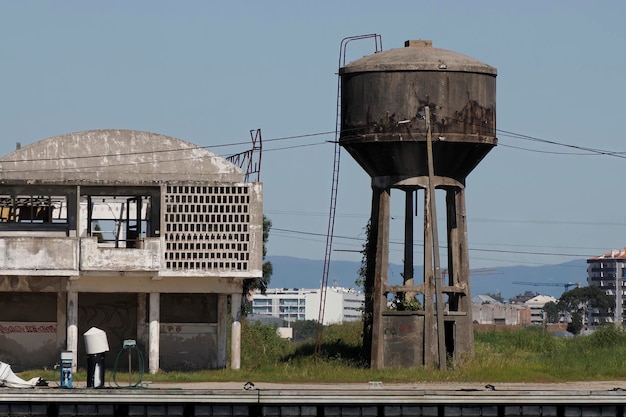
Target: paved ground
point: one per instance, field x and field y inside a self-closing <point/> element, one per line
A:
<point x="443" y="386"/>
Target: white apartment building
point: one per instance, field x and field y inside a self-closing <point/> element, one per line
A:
<point x="608" y="272"/>
<point x="291" y="304"/>
<point x="537" y="315"/>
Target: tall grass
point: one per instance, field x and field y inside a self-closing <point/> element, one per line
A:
<point x="526" y="355"/>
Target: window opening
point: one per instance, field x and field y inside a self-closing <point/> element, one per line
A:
<point x="119" y="221"/>
<point x="33" y="209"/>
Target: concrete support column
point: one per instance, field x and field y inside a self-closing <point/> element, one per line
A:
<point x="72" y="327"/>
<point x="465" y="302"/>
<point x="142" y="320"/>
<point x="454" y="247"/>
<point x="430" y="322"/>
<point x="408" y="243"/>
<point x="154" y="332"/>
<point x="381" y="203"/>
<point x="235" y="341"/>
<point x="61" y="320"/>
<point x="222" y="330"/>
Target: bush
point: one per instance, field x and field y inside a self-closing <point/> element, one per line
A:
<point x="606" y="336"/>
<point x="526" y="340"/>
<point x="261" y="345"/>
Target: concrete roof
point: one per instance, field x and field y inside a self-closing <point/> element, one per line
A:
<point x="418" y="56"/>
<point x="540" y="300"/>
<point x="115" y="156"/>
<point x="484" y="299"/>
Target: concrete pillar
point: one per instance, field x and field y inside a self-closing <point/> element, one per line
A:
<point x="154" y="332"/>
<point x="430" y="322"/>
<point x="142" y="319"/>
<point x="222" y="329"/>
<point x="235" y="338"/>
<point x="454" y="247"/>
<point x="72" y="327"/>
<point x="61" y="320"/>
<point x="381" y="202"/>
<point x="465" y="338"/>
<point x="408" y="243"/>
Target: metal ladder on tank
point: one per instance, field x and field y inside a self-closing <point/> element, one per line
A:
<point x="335" y="183"/>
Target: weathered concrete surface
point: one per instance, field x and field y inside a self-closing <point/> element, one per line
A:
<point x="39" y="255"/>
<point x="585" y="386"/>
<point x="103" y="218"/>
<point x="144" y="259"/>
<point x="312" y="400"/>
<point x="97" y="155"/>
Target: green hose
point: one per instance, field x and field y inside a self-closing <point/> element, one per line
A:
<point x="130" y="345"/>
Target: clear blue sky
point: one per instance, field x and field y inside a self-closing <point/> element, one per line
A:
<point x="208" y="72"/>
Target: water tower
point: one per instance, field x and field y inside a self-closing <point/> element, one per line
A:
<point x="418" y="119"/>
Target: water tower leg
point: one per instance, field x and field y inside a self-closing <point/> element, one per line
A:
<point x="465" y="302"/>
<point x="460" y="337"/>
<point x="380" y="235"/>
<point x="408" y="243"/>
<point x="431" y="354"/>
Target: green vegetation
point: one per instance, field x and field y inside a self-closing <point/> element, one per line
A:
<point x="579" y="301"/>
<point x="258" y="284"/>
<point x="512" y="355"/>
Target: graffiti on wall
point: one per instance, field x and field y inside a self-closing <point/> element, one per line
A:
<point x="401" y="329"/>
<point x="28" y="328"/>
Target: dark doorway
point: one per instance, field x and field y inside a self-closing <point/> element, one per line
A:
<point x="115" y="314"/>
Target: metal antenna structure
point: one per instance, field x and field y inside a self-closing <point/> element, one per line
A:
<point x="335" y="183"/>
<point x="250" y="161"/>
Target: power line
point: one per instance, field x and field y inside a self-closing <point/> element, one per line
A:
<point x="587" y="151"/>
<point x="421" y="244"/>
<point x="470" y="220"/>
<point x="547" y="152"/>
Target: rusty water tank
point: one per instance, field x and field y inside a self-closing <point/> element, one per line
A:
<point x="383" y="101"/>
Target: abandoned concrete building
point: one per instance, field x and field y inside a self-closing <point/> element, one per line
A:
<point x="144" y="236"/>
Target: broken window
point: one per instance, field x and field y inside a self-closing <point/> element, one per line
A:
<point x="33" y="209"/>
<point x="120" y="219"/>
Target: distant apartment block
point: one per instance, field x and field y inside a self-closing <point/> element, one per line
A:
<point x="487" y="310"/>
<point x="291" y="304"/>
<point x="608" y="272"/>
<point x="535" y="304"/>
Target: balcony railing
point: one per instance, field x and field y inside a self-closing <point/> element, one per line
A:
<point x="145" y="258"/>
<point x="30" y="255"/>
<point x="71" y="256"/>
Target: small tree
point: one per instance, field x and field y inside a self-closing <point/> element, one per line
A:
<point x="304" y="330"/>
<point x="553" y="314"/>
<point x="497" y="296"/>
<point x="578" y="302"/>
<point x="258" y="284"/>
<point x="366" y="281"/>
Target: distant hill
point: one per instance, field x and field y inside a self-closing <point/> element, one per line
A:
<point x="290" y="272"/>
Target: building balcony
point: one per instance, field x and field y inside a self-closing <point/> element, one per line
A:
<point x="71" y="256"/>
<point x="36" y="255"/>
<point x="146" y="257"/>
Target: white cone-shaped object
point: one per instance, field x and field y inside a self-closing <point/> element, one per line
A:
<point x="96" y="341"/>
<point x="9" y="379"/>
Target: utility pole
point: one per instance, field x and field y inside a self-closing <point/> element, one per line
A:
<point x="441" y="335"/>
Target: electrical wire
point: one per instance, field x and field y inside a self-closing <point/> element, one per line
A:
<point x="422" y="244"/>
<point x="587" y="151"/>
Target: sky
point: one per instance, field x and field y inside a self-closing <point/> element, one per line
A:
<point x="208" y="72"/>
